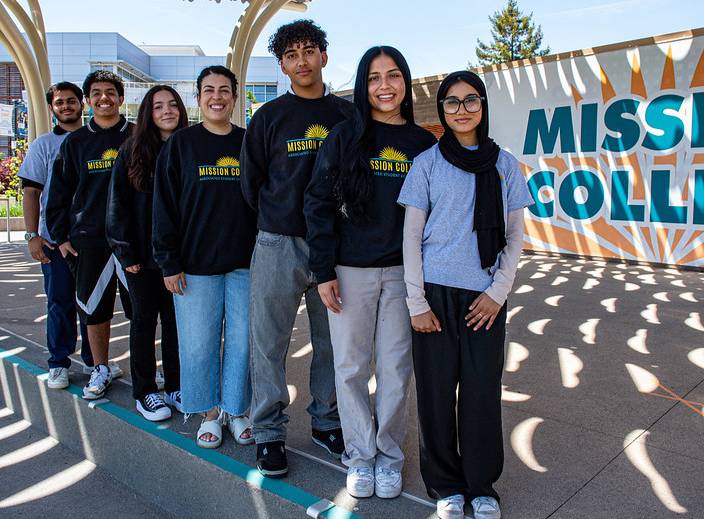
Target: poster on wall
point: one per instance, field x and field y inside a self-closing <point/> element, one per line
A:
<point x="21" y="120"/>
<point x="611" y="141"/>
<point x="6" y="121"/>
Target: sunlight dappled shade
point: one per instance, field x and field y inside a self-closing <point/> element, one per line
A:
<point x="644" y="380"/>
<point x="524" y="289"/>
<point x="512" y="312"/>
<point x="688" y="296"/>
<point x="522" y="443"/>
<point x="553" y="300"/>
<point x="638" y="342"/>
<point x="512" y="396"/>
<point x="696" y="357"/>
<point x="517" y="353"/>
<point x="650" y="314"/>
<point x="590" y="283"/>
<point x="302" y="352"/>
<point x="662" y="296"/>
<point x="292" y="393"/>
<point x="28" y="452"/>
<point x="570" y="367"/>
<point x="50" y="485"/>
<point x="559" y="280"/>
<point x="694" y="322"/>
<point x="609" y="304"/>
<point x="637" y="454"/>
<point x="588" y="330"/>
<point x="538" y="327"/>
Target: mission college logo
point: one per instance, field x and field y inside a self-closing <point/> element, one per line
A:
<point x="225" y="168"/>
<point x="104" y="163"/>
<point x="390" y="163"/>
<point x="309" y="144"/>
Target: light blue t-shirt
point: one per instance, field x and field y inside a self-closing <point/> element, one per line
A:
<point x="446" y="194"/>
<point x="37" y="166"/>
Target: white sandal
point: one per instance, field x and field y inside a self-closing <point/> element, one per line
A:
<point x="214" y="427"/>
<point x="238" y="425"/>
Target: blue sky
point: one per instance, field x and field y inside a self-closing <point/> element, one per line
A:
<point x="436" y="37"/>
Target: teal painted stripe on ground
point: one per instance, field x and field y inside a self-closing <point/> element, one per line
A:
<point x="249" y="474"/>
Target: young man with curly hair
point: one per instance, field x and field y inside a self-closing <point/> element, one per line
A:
<point x="277" y="161"/>
<point x="76" y="217"/>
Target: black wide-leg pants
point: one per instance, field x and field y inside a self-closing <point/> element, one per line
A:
<point x="461" y="442"/>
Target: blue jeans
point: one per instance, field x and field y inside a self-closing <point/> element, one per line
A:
<point x="60" y="288"/>
<point x="280" y="277"/>
<point x="208" y="303"/>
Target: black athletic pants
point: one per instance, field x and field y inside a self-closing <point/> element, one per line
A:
<point x="461" y="443"/>
<point x="150" y="300"/>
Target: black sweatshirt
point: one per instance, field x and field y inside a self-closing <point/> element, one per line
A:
<point x="279" y="151"/>
<point x="78" y="191"/>
<point x="202" y="224"/>
<point x="378" y="241"/>
<point x="129" y="217"/>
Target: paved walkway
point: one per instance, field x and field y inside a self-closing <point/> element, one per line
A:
<point x="603" y="400"/>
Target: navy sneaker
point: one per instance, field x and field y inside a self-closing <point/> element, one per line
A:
<point x="331" y="441"/>
<point x="271" y="459"/>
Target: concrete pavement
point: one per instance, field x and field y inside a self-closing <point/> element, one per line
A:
<point x="603" y="401"/>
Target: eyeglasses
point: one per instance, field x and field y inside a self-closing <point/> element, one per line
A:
<point x="451" y="105"/>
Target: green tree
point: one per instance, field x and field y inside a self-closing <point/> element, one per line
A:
<point x="515" y="36"/>
<point x="252" y="100"/>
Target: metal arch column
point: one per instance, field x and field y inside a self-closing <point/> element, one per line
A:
<point x="32" y="76"/>
<point x="31" y="132"/>
<point x="35" y="39"/>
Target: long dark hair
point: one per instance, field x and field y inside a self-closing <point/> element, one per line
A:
<point x="145" y="142"/>
<point x="354" y="186"/>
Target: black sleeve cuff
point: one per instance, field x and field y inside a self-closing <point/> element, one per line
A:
<point x="31" y="183"/>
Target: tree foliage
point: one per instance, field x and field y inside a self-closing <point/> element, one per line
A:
<point x="515" y="36"/>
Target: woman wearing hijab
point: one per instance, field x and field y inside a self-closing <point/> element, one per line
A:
<point x="463" y="233"/>
<point x="355" y="234"/>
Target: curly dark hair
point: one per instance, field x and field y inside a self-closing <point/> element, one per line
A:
<point x="218" y="70"/>
<point x="298" y="31"/>
<point x="103" y="76"/>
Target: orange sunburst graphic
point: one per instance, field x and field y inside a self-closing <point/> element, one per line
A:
<point x="645" y="240"/>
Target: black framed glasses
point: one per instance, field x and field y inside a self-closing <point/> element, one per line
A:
<point x="472" y="103"/>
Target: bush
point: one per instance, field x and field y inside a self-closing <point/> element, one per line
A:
<point x="9" y="167"/>
<point x="15" y="210"/>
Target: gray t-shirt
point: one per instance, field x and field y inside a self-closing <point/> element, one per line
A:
<point x="446" y="194"/>
<point x="37" y="167"/>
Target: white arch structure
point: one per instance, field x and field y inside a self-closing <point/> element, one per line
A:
<point x="33" y="63"/>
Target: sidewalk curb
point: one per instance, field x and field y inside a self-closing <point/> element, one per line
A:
<point x="162" y="465"/>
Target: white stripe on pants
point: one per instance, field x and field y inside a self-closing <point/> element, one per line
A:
<point x="373" y="325"/>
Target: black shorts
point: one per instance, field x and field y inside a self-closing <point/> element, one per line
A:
<point x="96" y="285"/>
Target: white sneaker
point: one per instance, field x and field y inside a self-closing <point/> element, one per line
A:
<point x="100" y="380"/>
<point x="387" y="482"/>
<point x="58" y="378"/>
<point x="115" y="370"/>
<point x="153" y="408"/>
<point x="452" y="507"/>
<point x="486" y="507"/>
<point x="174" y="400"/>
<point x="360" y="482"/>
<point x="159" y="379"/>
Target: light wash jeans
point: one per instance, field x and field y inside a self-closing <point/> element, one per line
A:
<point x="208" y="303"/>
<point x="373" y="326"/>
<point x="280" y="277"/>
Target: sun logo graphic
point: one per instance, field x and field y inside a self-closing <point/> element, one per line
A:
<point x="389" y="153"/>
<point x="613" y="153"/>
<point x="109" y="154"/>
<point x="227" y="161"/>
<point x="391" y="162"/>
<point x="316" y="131"/>
<point x="313" y="137"/>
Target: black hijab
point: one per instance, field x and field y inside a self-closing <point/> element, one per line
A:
<point x="488" y="205"/>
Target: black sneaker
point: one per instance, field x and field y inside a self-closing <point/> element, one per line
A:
<point x="271" y="459"/>
<point x="331" y="441"/>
